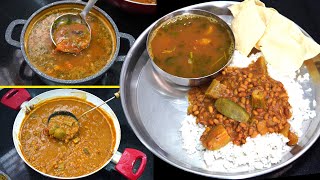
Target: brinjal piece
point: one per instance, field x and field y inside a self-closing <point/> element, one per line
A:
<point x="285" y="130"/>
<point x="215" y="138"/>
<point x="215" y="90"/>
<point x="293" y="139"/>
<point x="262" y="127"/>
<point x="261" y="66"/>
<point x="258" y="99"/>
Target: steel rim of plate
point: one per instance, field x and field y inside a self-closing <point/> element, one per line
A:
<point x="171" y="160"/>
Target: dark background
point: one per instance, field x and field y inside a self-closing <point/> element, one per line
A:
<point x="305" y="13"/>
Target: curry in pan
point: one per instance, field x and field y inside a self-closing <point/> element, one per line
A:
<point x="78" y="154"/>
<point x="48" y="58"/>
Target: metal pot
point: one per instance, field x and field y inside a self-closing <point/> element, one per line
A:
<point x="20" y="98"/>
<point x="181" y="80"/>
<point x="135" y="7"/>
<point x="48" y="79"/>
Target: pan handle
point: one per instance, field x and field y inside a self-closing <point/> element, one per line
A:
<point x="127" y="36"/>
<point x="131" y="40"/>
<point x="121" y="58"/>
<point x="125" y="163"/>
<point x="8" y="34"/>
<point x="15" y="97"/>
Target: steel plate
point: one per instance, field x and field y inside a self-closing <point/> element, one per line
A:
<point x="155" y="108"/>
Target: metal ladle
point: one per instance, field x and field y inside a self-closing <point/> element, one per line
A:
<point x="68" y="113"/>
<point x="72" y="18"/>
<point x="60" y="133"/>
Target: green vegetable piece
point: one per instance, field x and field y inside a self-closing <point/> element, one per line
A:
<point x="190" y="60"/>
<point x="258" y="99"/>
<point x="76" y="140"/>
<point x="52" y="130"/>
<point x="69" y="21"/>
<point x="215" y="90"/>
<point x="231" y="110"/>
<point x="86" y="151"/>
<point x="169" y="61"/>
<point x="59" y="133"/>
<point x="61" y="166"/>
<point x="44" y="121"/>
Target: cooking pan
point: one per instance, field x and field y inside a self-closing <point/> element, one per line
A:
<point x="27" y="24"/>
<point x="20" y="99"/>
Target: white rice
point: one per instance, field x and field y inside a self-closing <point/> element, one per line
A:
<point x="260" y="152"/>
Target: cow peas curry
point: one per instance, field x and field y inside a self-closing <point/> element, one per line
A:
<point x="241" y="103"/>
<point x="63" y="127"/>
<point x="42" y="53"/>
<point x="85" y="152"/>
<point x="190" y="46"/>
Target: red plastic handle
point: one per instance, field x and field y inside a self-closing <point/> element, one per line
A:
<point x="126" y="163"/>
<point x="15" y="97"/>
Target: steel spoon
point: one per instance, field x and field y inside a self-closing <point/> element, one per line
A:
<point x="67" y="113"/>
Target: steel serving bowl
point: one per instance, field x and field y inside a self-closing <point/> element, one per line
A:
<point x="181" y="80"/>
<point x="65" y="4"/>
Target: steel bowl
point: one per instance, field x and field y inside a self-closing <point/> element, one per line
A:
<point x="65" y="4"/>
<point x="181" y="80"/>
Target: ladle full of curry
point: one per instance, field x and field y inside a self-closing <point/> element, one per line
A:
<point x="71" y="33"/>
<point x="64" y="125"/>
